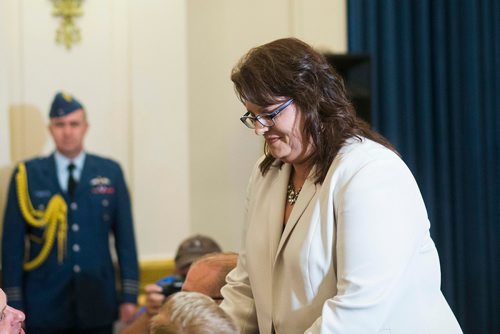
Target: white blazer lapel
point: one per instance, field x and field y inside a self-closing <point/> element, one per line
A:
<point x="306" y="195"/>
<point x="278" y="197"/>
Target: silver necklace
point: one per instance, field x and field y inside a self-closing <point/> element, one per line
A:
<point x="291" y="194"/>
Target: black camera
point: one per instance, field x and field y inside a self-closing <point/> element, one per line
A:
<point x="173" y="285"/>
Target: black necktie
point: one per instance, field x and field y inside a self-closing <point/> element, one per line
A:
<point x="71" y="180"/>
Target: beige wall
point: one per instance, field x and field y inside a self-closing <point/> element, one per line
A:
<point x="154" y="77"/>
<point x="223" y="151"/>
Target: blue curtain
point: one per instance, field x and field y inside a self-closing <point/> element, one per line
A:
<point x="436" y="75"/>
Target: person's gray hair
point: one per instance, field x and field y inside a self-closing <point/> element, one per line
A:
<point x="191" y="313"/>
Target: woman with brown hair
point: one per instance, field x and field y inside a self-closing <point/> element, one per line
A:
<point x="337" y="235"/>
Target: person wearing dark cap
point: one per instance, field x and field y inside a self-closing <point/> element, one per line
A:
<point x="60" y="211"/>
<point x="190" y="251"/>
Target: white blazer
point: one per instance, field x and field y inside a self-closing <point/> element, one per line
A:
<point x="354" y="257"/>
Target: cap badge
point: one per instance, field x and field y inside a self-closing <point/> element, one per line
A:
<point x="67" y="97"/>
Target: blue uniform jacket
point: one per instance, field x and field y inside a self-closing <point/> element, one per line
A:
<point x="80" y="292"/>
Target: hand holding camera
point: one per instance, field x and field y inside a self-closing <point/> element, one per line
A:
<point x="154" y="298"/>
<point x="156" y="294"/>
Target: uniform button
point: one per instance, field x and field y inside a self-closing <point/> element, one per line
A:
<point x="105" y="217"/>
<point x="76" y="248"/>
<point x="73" y="206"/>
<point x="75" y="227"/>
<point x="76" y="268"/>
<point x="105" y="202"/>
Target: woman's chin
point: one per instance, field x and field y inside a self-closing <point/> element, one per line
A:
<point x="278" y="152"/>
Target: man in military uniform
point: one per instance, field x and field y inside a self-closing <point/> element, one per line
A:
<point x="60" y="212"/>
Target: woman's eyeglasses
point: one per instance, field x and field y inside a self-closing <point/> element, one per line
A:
<point x="265" y="119"/>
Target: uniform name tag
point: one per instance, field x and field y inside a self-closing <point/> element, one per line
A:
<point x="42" y="193"/>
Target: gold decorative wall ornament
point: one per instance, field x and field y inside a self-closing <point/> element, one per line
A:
<point x="67" y="33"/>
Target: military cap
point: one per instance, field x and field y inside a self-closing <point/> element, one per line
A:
<point x="194" y="247"/>
<point x="63" y="105"/>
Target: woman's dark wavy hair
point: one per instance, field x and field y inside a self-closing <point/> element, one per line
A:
<point x="291" y="68"/>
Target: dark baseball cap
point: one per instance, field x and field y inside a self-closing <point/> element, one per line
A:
<point x="194" y="247"/>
